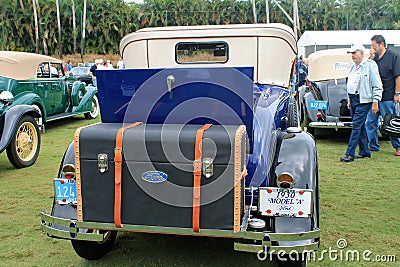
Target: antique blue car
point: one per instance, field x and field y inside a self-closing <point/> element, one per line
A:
<point x="323" y="100"/>
<point x="199" y="136"/>
<point x="34" y="90"/>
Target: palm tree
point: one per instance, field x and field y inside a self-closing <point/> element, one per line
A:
<point x="254" y="11"/>
<point x="83" y="29"/>
<point x="266" y="11"/>
<point x="59" y="30"/>
<point x="36" y="25"/>
<point x="21" y="3"/>
<point x="74" y="32"/>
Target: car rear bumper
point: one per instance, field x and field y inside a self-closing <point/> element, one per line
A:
<point x="266" y="242"/>
<point x="334" y="125"/>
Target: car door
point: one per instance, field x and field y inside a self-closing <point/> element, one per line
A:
<point x="44" y="87"/>
<point x="59" y="89"/>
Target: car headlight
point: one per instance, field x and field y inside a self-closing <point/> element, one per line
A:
<point x="6" y="98"/>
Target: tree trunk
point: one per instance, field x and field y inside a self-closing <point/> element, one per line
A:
<point x="21" y="3"/>
<point x="60" y="46"/>
<point x="254" y="11"/>
<point x="45" y="49"/>
<point x="36" y="25"/>
<point x="74" y="27"/>
<point x="83" y="30"/>
<point x="296" y="22"/>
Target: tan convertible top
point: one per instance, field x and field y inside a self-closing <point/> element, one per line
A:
<point x="22" y="65"/>
<point x="269" y="48"/>
<point x="330" y="64"/>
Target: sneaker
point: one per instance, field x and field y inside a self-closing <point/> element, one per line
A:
<point x="362" y="156"/>
<point x="397" y="153"/>
<point x="346" y="158"/>
<point x="372" y="149"/>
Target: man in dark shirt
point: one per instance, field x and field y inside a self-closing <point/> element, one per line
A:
<point x="93" y="69"/>
<point x="389" y="70"/>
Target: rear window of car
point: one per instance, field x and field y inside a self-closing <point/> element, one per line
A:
<point x="201" y="52"/>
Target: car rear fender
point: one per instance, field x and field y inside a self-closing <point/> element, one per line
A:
<point x="78" y="90"/>
<point x="85" y="103"/>
<point x="9" y="121"/>
<point x="298" y="156"/>
<point x="65" y="211"/>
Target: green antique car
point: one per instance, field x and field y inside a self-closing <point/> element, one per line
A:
<point x="34" y="90"/>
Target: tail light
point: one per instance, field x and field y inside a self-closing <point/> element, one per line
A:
<point x="285" y="180"/>
<point x="319" y="116"/>
<point x="68" y="171"/>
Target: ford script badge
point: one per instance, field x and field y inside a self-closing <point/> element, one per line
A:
<point x="154" y="177"/>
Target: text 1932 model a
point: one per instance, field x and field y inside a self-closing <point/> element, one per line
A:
<point x="199" y="136"/>
<point x="34" y="90"/>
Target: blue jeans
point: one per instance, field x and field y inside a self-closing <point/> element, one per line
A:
<point x="358" y="134"/>
<point x="372" y="125"/>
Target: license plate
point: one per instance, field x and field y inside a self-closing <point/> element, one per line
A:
<point x="65" y="191"/>
<point x="285" y="202"/>
<point x="318" y="104"/>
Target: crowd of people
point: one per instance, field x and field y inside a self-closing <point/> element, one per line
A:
<point x="373" y="89"/>
<point x="100" y="64"/>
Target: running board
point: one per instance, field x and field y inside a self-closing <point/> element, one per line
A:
<point x="62" y="116"/>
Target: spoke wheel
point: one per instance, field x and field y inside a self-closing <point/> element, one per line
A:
<point x="95" y="109"/>
<point x="24" y="147"/>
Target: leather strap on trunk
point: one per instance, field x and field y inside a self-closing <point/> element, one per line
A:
<point x="118" y="173"/>
<point x="197" y="177"/>
<point x="78" y="171"/>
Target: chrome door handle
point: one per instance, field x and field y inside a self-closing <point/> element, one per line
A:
<point x="170" y="81"/>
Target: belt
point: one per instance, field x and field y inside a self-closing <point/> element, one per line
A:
<point x="118" y="173"/>
<point x="197" y="177"/>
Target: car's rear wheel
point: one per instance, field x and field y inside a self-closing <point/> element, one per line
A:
<point x="95" y="109"/>
<point x="292" y="261"/>
<point x="24" y="147"/>
<point x="91" y="250"/>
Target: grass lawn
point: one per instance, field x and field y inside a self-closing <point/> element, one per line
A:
<point x="359" y="204"/>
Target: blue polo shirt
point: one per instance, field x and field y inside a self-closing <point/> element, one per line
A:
<point x="389" y="69"/>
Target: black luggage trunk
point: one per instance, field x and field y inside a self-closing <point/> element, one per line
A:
<point x="157" y="175"/>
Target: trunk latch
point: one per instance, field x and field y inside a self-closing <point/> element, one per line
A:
<point x="102" y="160"/>
<point x="208" y="167"/>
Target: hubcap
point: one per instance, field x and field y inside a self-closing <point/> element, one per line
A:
<point x="26" y="141"/>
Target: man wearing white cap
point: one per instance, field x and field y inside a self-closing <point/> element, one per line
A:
<point x="364" y="89"/>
